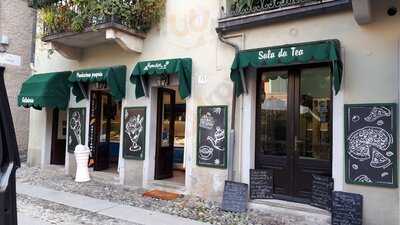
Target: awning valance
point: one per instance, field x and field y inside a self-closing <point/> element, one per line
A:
<point x="115" y="77"/>
<point x="181" y="67"/>
<point x="303" y="53"/>
<point x="45" y="90"/>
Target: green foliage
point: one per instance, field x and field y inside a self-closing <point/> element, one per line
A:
<point x="76" y="15"/>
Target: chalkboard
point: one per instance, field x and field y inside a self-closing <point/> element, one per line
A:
<point x="321" y="195"/>
<point x="347" y="208"/>
<point x="235" y="197"/>
<point x="370" y="143"/>
<point x="134" y="141"/>
<point x="76" y="128"/>
<point x="261" y="184"/>
<point x="212" y="136"/>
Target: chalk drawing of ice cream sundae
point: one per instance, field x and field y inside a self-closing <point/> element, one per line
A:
<point x="75" y="124"/>
<point x="134" y="128"/>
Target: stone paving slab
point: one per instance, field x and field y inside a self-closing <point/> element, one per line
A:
<point x="103" y="207"/>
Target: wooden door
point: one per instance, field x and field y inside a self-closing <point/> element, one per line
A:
<point x="165" y="134"/>
<point x="293" y="128"/>
<point x="58" y="145"/>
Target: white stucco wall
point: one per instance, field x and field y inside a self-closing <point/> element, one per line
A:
<point x="371" y="59"/>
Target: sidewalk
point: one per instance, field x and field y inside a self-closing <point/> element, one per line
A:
<point x="101" y="207"/>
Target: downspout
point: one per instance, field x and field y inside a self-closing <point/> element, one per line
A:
<point x="231" y="144"/>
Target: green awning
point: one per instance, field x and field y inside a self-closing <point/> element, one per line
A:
<point x="45" y="90"/>
<point x="181" y="67"/>
<point x="114" y="77"/>
<point x="303" y="53"/>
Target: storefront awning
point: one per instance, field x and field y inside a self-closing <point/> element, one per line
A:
<point x="114" y="77"/>
<point x="45" y="90"/>
<point x="304" y="53"/>
<point x="181" y="67"/>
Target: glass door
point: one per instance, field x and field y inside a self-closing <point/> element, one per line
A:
<point x="293" y="128"/>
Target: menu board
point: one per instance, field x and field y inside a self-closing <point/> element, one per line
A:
<point x="212" y="136"/>
<point x="371" y="146"/>
<point x="134" y="128"/>
<point x="235" y="197"/>
<point x="261" y="184"/>
<point x="347" y="208"/>
<point x="321" y="195"/>
<point x="76" y="128"/>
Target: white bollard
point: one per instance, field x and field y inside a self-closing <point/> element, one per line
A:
<point x="82" y="158"/>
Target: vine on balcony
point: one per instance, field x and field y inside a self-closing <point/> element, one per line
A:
<point x="76" y="15"/>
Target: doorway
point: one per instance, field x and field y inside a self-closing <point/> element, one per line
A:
<point x="104" y="131"/>
<point x="170" y="147"/>
<point x="59" y="136"/>
<point x="294" y="128"/>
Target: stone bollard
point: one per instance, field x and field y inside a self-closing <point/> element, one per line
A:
<point x="82" y="158"/>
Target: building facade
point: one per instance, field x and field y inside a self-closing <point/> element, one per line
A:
<point x="17" y="42"/>
<point x="219" y="88"/>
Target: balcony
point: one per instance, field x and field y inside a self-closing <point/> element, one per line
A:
<point x="242" y="14"/>
<point x="72" y="26"/>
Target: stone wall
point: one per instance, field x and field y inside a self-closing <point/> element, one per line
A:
<point x="16" y="22"/>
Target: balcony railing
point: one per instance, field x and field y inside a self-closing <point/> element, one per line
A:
<point x="245" y="7"/>
<point x="240" y="14"/>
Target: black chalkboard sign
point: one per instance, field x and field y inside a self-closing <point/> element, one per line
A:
<point x="321" y="195"/>
<point x="370" y="142"/>
<point x="261" y="184"/>
<point x="76" y="128"/>
<point x="212" y="136"/>
<point x="134" y="141"/>
<point x="235" y="197"/>
<point x="347" y="208"/>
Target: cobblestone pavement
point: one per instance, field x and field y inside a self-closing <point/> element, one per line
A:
<point x="52" y="213"/>
<point x="188" y="206"/>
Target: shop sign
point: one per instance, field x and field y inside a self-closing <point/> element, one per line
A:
<point x="212" y="136"/>
<point x="157" y="66"/>
<point x="280" y="53"/>
<point x="371" y="144"/>
<point x="10" y="59"/>
<point x="134" y="133"/>
<point x="89" y="75"/>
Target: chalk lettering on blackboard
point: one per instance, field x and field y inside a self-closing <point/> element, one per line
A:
<point x="377" y="113"/>
<point x="355" y="118"/>
<point x="76" y="126"/>
<point x="361" y="140"/>
<point x="380" y="123"/>
<point x="379" y="160"/>
<point x="206" y="152"/>
<point x="133" y="129"/>
<point x="363" y="179"/>
<point x="207" y="121"/>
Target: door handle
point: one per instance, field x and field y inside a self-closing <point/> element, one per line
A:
<point x="296" y="143"/>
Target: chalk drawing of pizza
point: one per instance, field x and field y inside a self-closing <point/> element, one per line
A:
<point x="361" y="141"/>
<point x="379" y="160"/>
<point x="377" y="113"/>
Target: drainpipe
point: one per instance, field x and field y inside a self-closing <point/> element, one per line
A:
<point x="231" y="144"/>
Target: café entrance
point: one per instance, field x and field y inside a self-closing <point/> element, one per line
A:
<point x="294" y="128"/>
<point x="104" y="131"/>
<point x="170" y="147"/>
